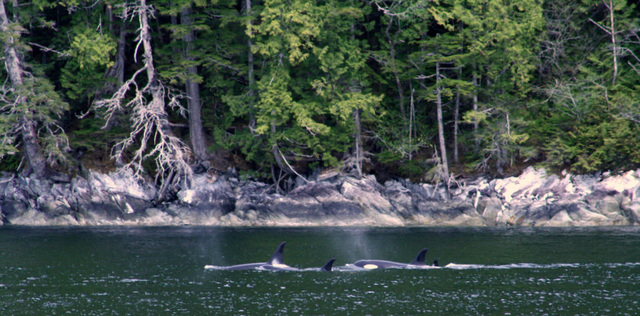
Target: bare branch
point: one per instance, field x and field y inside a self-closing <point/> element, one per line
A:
<point x="47" y="50"/>
<point x="604" y="28"/>
<point x="288" y="165"/>
<point x="150" y="127"/>
<point x="634" y="67"/>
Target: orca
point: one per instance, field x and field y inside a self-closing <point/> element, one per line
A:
<point x="418" y="262"/>
<point x="275" y="263"/>
<point x="327" y="266"/>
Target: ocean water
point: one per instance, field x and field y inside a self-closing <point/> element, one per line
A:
<point x="160" y="271"/>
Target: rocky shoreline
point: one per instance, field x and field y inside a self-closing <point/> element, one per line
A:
<point x="534" y="198"/>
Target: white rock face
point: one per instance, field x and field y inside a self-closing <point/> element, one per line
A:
<point x="121" y="182"/>
<point x="522" y="186"/>
<point x="534" y="198"/>
<point x="537" y="199"/>
<point x="629" y="182"/>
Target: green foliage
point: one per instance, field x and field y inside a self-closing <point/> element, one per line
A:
<point x="527" y="81"/>
<point x="311" y="84"/>
<point x="91" y="135"/>
<point x="45" y="107"/>
<point x="472" y="116"/>
<point x="590" y="121"/>
<point x="91" y="48"/>
<point x="37" y="101"/>
<point x="388" y="156"/>
<point x="413" y="169"/>
<point x="505" y="138"/>
<point x="599" y="145"/>
<point x="91" y="54"/>
<point x="10" y="163"/>
<point x="8" y="143"/>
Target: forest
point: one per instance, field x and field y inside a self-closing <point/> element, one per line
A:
<point x="427" y="90"/>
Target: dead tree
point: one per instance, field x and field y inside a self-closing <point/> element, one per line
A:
<point x="150" y="128"/>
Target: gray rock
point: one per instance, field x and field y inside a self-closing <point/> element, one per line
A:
<point x="489" y="208"/>
<point x="534" y="198"/>
<point x="316" y="201"/>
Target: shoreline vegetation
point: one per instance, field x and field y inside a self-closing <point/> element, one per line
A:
<point x="308" y="112"/>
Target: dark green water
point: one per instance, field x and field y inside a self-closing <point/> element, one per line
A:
<point x="160" y="271"/>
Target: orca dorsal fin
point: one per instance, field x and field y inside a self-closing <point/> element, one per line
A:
<point x="419" y="260"/>
<point x="327" y="266"/>
<point x="276" y="259"/>
<point x="436" y="263"/>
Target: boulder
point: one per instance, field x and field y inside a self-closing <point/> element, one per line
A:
<point x="367" y="193"/>
<point x="490" y="208"/>
<point x="209" y="195"/>
<point x="317" y="200"/>
<point x="534" y="198"/>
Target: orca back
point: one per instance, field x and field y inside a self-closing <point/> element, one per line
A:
<point x="276" y="259"/>
<point x="419" y="260"/>
<point x="327" y="266"/>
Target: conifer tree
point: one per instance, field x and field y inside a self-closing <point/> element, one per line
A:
<point x="184" y="66"/>
<point x="29" y="106"/>
<point x="503" y="39"/>
<point x="309" y="88"/>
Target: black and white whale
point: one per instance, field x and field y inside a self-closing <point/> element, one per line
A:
<point x="327" y="266"/>
<point x="274" y="264"/>
<point x="418" y="262"/>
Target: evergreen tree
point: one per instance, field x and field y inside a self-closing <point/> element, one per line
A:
<point x="306" y="93"/>
<point x="589" y="123"/>
<point x="30" y="107"/>
<point x="502" y="41"/>
<point x="183" y="68"/>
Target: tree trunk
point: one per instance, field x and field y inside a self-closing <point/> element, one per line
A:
<point x="392" y="55"/>
<point x="456" y="113"/>
<point x="613" y="42"/>
<point x="475" y="108"/>
<point x="157" y="102"/>
<point x="170" y="153"/>
<point x="13" y="65"/>
<point x="196" y="132"/>
<point x="355" y="88"/>
<point x="150" y="127"/>
<point x="250" y="75"/>
<point x="120" y="61"/>
<point x="456" y="157"/>
<point x="358" y="132"/>
<point x="117" y="70"/>
<point x="443" y="148"/>
<point x="117" y="73"/>
<point x="412" y="116"/>
<point x="250" y="64"/>
<point x="612" y="32"/>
